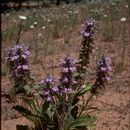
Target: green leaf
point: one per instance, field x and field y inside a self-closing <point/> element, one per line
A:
<point x="45" y="105"/>
<point x="68" y="124"/>
<point x="79" y="61"/>
<point x="36" y="87"/>
<point x="84" y="89"/>
<point x="30" y="102"/>
<point x="27" y="88"/>
<point x="26" y="113"/>
<point x="49" y="111"/>
<point x="82" y="121"/>
<point x="76" y="74"/>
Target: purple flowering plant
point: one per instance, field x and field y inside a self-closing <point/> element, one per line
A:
<point x="55" y="103"/>
<point x="17" y="62"/>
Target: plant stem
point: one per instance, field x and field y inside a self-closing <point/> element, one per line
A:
<point x="52" y="68"/>
<point x="19" y="32"/>
<point x="83" y="108"/>
<point x="39" y="116"/>
<point x="58" y="115"/>
<point x="124" y="43"/>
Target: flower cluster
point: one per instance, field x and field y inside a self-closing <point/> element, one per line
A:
<point x="17" y="62"/>
<point x="64" y="85"/>
<point x="89" y="28"/>
<point x="102" y="74"/>
<point x="86" y="45"/>
<point x="67" y="79"/>
<point x="49" y="88"/>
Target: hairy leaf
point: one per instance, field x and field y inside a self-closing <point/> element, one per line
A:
<point x="49" y="111"/>
<point x="36" y="87"/>
<point x="26" y="113"/>
<point x="27" y="88"/>
<point x="82" y="121"/>
<point x="84" y="89"/>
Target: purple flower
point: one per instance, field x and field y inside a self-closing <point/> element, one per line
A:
<point x="82" y="32"/>
<point x="102" y="73"/>
<point x="49" y="99"/>
<point x="70" y="90"/>
<point x="19" y="67"/>
<point x="74" y="62"/>
<point x="67" y="90"/>
<point x="64" y="80"/>
<point x="109" y="68"/>
<point x="42" y="81"/>
<point x="108" y="78"/>
<point x="72" y="69"/>
<point x="86" y="34"/>
<point x="24" y="56"/>
<point x="17" y="62"/>
<point x="49" y="88"/>
<point x="65" y="69"/>
<point x="46" y="91"/>
<point x="103" y="69"/>
<point x="48" y="80"/>
<point x="86" y="45"/>
<point x="55" y="89"/>
<point x="68" y="58"/>
<point x="90" y="22"/>
<point x="14" y="58"/>
<point x="27" y="52"/>
<point x="67" y="80"/>
<point x="108" y="59"/>
<point x="25" y="67"/>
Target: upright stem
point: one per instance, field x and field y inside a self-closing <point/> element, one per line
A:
<point x="58" y="115"/>
<point x="19" y="32"/>
<point x="124" y="44"/>
<point x="39" y="118"/>
<point x="52" y="68"/>
<point x="84" y="107"/>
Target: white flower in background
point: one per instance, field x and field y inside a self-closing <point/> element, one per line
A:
<point x="126" y="6"/>
<point x="123" y="19"/>
<point x="23" y="17"/>
<point x="65" y="26"/>
<point x="31" y="26"/>
<point x="43" y="27"/>
<point x="105" y="15"/>
<point x="97" y="11"/>
<point x="113" y="3"/>
<point x="49" y="20"/>
<point x="7" y="14"/>
<point x="35" y="23"/>
<point x="39" y="34"/>
<point x="70" y="12"/>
